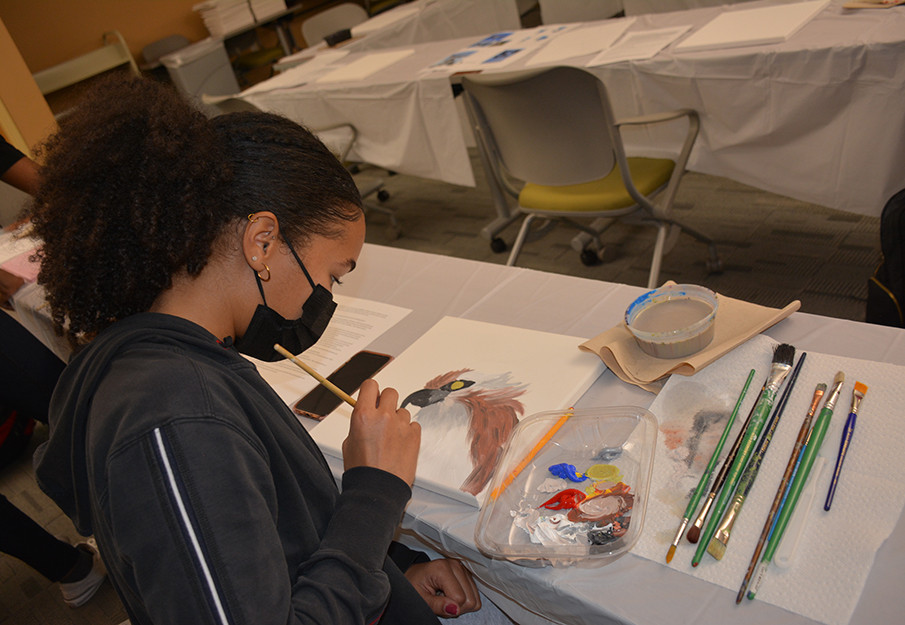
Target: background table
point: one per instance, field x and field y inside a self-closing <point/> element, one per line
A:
<point x="632" y="589"/>
<point x="817" y="118"/>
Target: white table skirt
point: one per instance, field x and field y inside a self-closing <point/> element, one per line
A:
<point x="817" y="118"/>
<point x="632" y="589"/>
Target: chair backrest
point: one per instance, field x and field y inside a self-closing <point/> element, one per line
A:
<point x="549" y="126"/>
<point x="327" y="22"/>
<point x="114" y="53"/>
<point x="153" y="51"/>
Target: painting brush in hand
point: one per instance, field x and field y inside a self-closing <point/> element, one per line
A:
<point x="317" y="376"/>
<point x="781" y="491"/>
<point x="708" y="471"/>
<point x="783" y="356"/>
<point x="717" y="546"/>
<point x="695" y="531"/>
<point x="857" y="396"/>
<point x="815" y="440"/>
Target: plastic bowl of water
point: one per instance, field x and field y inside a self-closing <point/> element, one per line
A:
<point x="673" y="321"/>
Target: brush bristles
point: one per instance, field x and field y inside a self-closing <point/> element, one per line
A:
<point x="716" y="548"/>
<point x="784" y="354"/>
<point x="693" y="534"/>
<point x="839" y="379"/>
<point x="670" y="553"/>
<point x="860" y="389"/>
<point x="821" y="387"/>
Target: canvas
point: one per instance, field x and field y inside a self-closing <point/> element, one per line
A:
<point x="468" y="384"/>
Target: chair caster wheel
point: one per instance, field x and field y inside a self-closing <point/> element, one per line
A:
<point x="498" y="245"/>
<point x="354" y="169"/>
<point x="589" y="258"/>
<point x="383" y="195"/>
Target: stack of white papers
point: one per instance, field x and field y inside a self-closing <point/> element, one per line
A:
<point x="366" y="66"/>
<point x="224" y="16"/>
<point x="262" y="9"/>
<point x="753" y="27"/>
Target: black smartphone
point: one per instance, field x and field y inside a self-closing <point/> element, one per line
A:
<point x="320" y="401"/>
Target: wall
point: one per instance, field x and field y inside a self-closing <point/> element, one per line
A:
<point x="25" y="118"/>
<point x="48" y="32"/>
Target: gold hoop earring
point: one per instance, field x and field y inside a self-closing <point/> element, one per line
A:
<point x="263" y="279"/>
<point x="252" y="218"/>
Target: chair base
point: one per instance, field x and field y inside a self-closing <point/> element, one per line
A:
<point x="588" y="243"/>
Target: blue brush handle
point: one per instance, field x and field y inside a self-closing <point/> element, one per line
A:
<point x="843" y="448"/>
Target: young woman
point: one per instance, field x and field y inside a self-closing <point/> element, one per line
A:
<point x="171" y="244"/>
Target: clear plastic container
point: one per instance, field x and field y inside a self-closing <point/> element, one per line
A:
<point x="618" y="441"/>
<point x="673" y="321"/>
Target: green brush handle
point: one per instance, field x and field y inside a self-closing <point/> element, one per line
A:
<point x="801" y="477"/>
<point x="711" y="465"/>
<point x="758" y="419"/>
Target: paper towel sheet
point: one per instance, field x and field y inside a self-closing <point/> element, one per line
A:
<point x="838" y="547"/>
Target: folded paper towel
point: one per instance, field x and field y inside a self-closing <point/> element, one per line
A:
<point x="736" y="322"/>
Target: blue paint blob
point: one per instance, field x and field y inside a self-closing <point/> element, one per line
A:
<point x="567" y="472"/>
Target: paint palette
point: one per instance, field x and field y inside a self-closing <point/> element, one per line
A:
<point x="580" y="499"/>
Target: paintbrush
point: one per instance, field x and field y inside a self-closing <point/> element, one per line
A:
<point x="857" y="396"/>
<point x="815" y="440"/>
<point x="708" y="471"/>
<point x="783" y="355"/>
<point x="781" y="491"/>
<point x="694" y="532"/>
<point x="530" y="455"/>
<point x="717" y="546"/>
<point x="317" y="376"/>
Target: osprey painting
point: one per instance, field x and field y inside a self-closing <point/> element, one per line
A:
<point x="468" y="410"/>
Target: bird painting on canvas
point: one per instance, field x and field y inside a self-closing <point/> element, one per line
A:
<point x="466" y="417"/>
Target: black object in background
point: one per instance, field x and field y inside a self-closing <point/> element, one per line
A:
<point x="321" y="401"/>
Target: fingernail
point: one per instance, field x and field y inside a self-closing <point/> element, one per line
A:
<point x="452" y="609"/>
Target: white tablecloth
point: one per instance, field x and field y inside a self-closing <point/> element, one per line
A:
<point x="438" y="20"/>
<point x="640" y="7"/>
<point x="817" y="118"/>
<point x="632" y="589"/>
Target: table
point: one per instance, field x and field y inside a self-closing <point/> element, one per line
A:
<point x="817" y="118"/>
<point x="632" y="589"/>
<point x="640" y="7"/>
<point x="421" y="21"/>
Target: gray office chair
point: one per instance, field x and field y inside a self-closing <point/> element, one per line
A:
<point x="553" y="130"/>
<point x="328" y="21"/>
<point x="219" y="105"/>
<point x="162" y="47"/>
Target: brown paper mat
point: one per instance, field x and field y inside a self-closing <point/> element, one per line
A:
<point x="736" y="322"/>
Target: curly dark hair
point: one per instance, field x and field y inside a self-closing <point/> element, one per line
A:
<point x="138" y="185"/>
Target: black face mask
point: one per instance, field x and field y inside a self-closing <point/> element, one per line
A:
<point x="267" y="326"/>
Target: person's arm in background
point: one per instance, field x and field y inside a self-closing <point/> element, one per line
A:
<point x="23" y="173"/>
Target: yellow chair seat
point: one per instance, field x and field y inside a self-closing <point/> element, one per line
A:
<point x="258" y="58"/>
<point x="608" y="193"/>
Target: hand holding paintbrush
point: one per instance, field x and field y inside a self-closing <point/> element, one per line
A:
<point x="708" y="471"/>
<point x="783" y="356"/>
